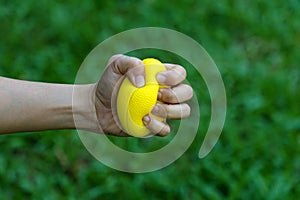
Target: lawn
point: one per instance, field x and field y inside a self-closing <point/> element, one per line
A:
<point x="256" y="46"/>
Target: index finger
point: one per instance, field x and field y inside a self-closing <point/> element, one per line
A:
<point x="174" y="75"/>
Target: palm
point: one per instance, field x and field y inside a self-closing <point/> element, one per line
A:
<point x="106" y="93"/>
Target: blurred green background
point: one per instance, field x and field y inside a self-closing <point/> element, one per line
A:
<point x="256" y="47"/>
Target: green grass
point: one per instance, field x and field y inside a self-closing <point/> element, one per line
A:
<point x="256" y="47"/>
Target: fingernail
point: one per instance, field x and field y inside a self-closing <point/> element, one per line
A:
<point x="155" y="109"/>
<point x="160" y="78"/>
<point x="146" y="120"/>
<point x="139" y="81"/>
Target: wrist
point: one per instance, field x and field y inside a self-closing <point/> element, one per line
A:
<point x="83" y="108"/>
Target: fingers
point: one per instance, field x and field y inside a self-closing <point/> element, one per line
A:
<point x="131" y="66"/>
<point x="172" y="97"/>
<point x="134" y="69"/>
<point x="176" y="94"/>
<point x="176" y="111"/>
<point x="174" y="75"/>
<point x="160" y="128"/>
<point x="155" y="126"/>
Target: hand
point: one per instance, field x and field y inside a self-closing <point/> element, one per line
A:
<point x="172" y="98"/>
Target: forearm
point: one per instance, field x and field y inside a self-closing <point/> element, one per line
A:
<point x="33" y="106"/>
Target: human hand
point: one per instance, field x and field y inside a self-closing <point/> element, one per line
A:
<point x="172" y="98"/>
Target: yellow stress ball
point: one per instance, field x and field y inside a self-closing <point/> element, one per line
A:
<point x="134" y="103"/>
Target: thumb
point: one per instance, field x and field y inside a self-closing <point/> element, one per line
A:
<point x="132" y="67"/>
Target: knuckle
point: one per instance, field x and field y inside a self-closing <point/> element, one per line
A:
<point x="164" y="111"/>
<point x="178" y="67"/>
<point x="133" y="62"/>
<point x="114" y="58"/>
<point x="173" y="99"/>
<point x="173" y="79"/>
<point x="180" y="71"/>
<point x="170" y="96"/>
<point x="134" y="66"/>
<point x="161" y="111"/>
<point x="137" y="62"/>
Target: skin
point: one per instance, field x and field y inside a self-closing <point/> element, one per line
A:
<point x="35" y="106"/>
